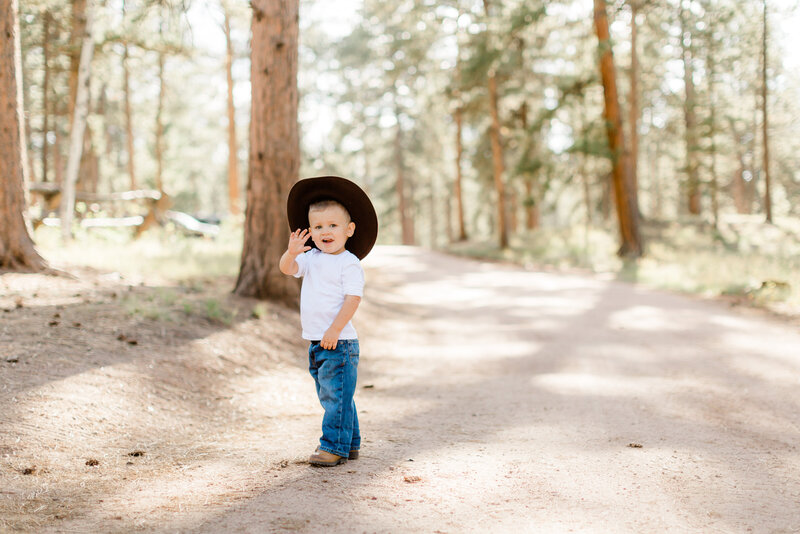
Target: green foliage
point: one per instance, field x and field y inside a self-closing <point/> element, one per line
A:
<point x="378" y="97"/>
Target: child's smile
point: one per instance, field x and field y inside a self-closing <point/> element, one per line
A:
<point x="330" y="228"/>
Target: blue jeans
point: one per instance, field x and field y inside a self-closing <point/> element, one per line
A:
<point x="335" y="373"/>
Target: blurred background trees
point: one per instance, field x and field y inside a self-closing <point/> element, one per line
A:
<point x="479" y="119"/>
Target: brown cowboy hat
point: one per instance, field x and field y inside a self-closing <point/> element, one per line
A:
<point x="348" y="194"/>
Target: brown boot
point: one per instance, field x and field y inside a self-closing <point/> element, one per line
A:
<point x="326" y="459"/>
<point x="352" y="456"/>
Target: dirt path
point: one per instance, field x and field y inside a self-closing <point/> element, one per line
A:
<point x="492" y="399"/>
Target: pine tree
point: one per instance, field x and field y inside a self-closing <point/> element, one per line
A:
<point x="16" y="247"/>
<point x="274" y="160"/>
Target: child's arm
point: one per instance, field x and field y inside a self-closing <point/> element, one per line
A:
<point x="297" y="245"/>
<point x="331" y="337"/>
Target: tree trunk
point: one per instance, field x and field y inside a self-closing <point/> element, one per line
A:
<point x="531" y="206"/>
<point x="58" y="160"/>
<point x="498" y="166"/>
<point x="76" y="137"/>
<point x="690" y="118"/>
<point x="406" y="222"/>
<point x="159" y="146"/>
<point x="16" y="247"/>
<point x="624" y="194"/>
<point x="76" y="38"/>
<point x="88" y="167"/>
<point x="458" y="192"/>
<point x="129" y="141"/>
<point x="433" y="227"/>
<point x="497" y="161"/>
<point x="45" y="91"/>
<point x="764" y="122"/>
<point x="233" y="159"/>
<point x="712" y="126"/>
<point x="126" y="96"/>
<point x="274" y="158"/>
<point x="586" y="186"/>
<point x="633" y="111"/>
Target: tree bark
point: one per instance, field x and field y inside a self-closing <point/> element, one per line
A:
<point x="764" y="122"/>
<point x="233" y="159"/>
<point x="624" y="194"/>
<point x="76" y="39"/>
<point x="498" y="166"/>
<point x="406" y="222"/>
<point x="690" y="118"/>
<point x="458" y="192"/>
<point x="633" y="111"/>
<point x="48" y="17"/>
<point x="159" y="146"/>
<point x="76" y="137"/>
<point x="531" y="206"/>
<point x="126" y="95"/>
<point x="16" y="247"/>
<point x="586" y="186"/>
<point x="274" y="158"/>
<point x="129" y="141"/>
<point x="712" y="126"/>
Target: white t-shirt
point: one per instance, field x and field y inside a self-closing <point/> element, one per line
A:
<point x="327" y="279"/>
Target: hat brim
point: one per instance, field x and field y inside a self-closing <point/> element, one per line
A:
<point x="310" y="190"/>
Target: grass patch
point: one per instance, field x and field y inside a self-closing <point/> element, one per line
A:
<point x="745" y="257"/>
<point x="159" y="255"/>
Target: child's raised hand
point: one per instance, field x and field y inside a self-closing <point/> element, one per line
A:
<point x="297" y="242"/>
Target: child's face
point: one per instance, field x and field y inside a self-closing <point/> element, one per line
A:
<point x="330" y="228"/>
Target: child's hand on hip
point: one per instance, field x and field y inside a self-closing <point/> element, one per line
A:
<point x="330" y="339"/>
<point x="297" y="240"/>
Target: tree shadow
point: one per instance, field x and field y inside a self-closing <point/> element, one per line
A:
<point x="615" y="368"/>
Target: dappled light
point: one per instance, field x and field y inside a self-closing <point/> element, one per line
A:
<point x="554" y="283"/>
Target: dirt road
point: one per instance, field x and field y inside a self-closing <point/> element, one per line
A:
<point x="500" y="400"/>
<point x="491" y="399"/>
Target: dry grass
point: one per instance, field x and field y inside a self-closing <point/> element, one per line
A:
<point x="747" y="260"/>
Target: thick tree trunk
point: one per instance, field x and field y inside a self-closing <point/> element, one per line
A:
<point x="690" y="119"/>
<point x="16" y="247"/>
<point x="233" y="159"/>
<point x="764" y="122"/>
<point x="624" y="194"/>
<point x="78" y="130"/>
<point x="498" y="166"/>
<point x="458" y="192"/>
<point x="274" y="159"/>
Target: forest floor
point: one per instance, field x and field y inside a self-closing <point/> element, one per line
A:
<point x="492" y="398"/>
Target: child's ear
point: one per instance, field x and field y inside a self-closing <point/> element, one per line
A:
<point x="351" y="229"/>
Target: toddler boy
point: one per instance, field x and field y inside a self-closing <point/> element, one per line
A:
<point x="328" y="210"/>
